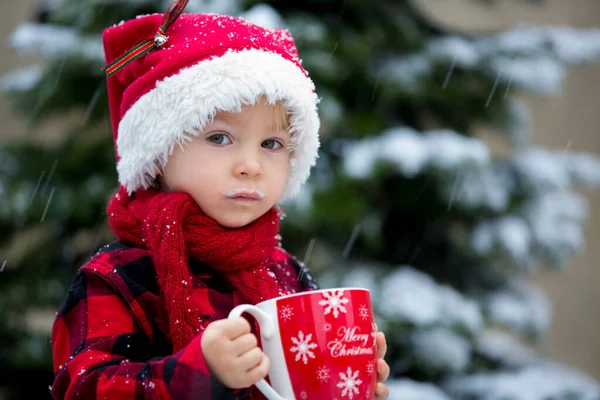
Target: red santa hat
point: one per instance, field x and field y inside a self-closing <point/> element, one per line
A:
<point x="168" y="75"/>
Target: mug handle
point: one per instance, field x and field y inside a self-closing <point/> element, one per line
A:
<point x="266" y="331"/>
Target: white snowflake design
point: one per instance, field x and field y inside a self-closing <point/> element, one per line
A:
<point x="334" y="302"/>
<point x="303" y="395"/>
<point x="323" y="374"/>
<point x="327" y="327"/>
<point x="287" y="313"/>
<point x="303" y="347"/>
<point x="371" y="368"/>
<point x="363" y="312"/>
<point x="349" y="382"/>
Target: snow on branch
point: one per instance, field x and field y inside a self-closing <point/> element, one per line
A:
<point x="509" y="234"/>
<point x="50" y="40"/>
<point x="440" y="350"/>
<point x="548" y="229"/>
<point x="567" y="44"/>
<point x="531" y="57"/>
<point x="264" y="15"/>
<point x="229" y="7"/>
<point x="557" y="225"/>
<point x="544" y="381"/>
<point x="22" y="79"/>
<point x="411" y="152"/>
<point x="529" y="174"/>
<point x="503" y="348"/>
<point x="411" y="296"/>
<point x="405" y="389"/>
<point x="488" y="188"/>
<point x="523" y="308"/>
<point x="54" y="42"/>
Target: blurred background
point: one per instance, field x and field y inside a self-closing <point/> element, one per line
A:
<point x="458" y="180"/>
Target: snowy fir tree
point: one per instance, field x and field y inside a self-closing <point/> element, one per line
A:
<point x="406" y="200"/>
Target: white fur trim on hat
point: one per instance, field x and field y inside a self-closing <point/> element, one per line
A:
<point x="181" y="105"/>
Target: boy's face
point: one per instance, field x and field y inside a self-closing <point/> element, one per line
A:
<point x="236" y="168"/>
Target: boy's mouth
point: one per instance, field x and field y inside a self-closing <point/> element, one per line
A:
<point x="244" y="194"/>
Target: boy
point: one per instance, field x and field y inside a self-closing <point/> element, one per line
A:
<point x="214" y="121"/>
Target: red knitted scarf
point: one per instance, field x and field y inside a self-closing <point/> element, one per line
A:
<point x="172" y="227"/>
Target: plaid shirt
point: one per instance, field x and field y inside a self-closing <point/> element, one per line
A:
<point x="109" y="338"/>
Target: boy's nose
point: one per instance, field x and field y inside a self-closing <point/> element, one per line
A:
<point x="249" y="168"/>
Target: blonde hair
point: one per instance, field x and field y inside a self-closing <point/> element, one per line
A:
<point x="281" y="119"/>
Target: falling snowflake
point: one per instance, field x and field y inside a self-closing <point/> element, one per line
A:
<point x="371" y="368"/>
<point x="303" y="395"/>
<point x="334" y="302"/>
<point x="303" y="347"/>
<point x="364" y="312"/>
<point x="349" y="383"/>
<point x="287" y="313"/>
<point x="323" y="374"/>
<point x="327" y="327"/>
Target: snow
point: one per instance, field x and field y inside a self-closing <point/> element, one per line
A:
<point x="22" y="80"/>
<point x="523" y="308"/>
<point x="542" y="75"/>
<point x="55" y="41"/>
<point x="568" y="44"/>
<point x="503" y="348"/>
<point x="265" y="16"/>
<point x="509" y="233"/>
<point x="91" y="49"/>
<point x="545" y="169"/>
<point x="407" y="389"/>
<point x="411" y="152"/>
<point x="229" y="7"/>
<point x="539" y="382"/>
<point x="50" y="40"/>
<point x="361" y="278"/>
<point x="529" y="57"/>
<point x="449" y="150"/>
<point x="442" y="350"/>
<point x="584" y="168"/>
<point x="307" y="28"/>
<point x="519" y="122"/>
<point x="487" y="188"/>
<point x="133" y="2"/>
<point x="330" y="108"/>
<point x="557" y="220"/>
<point x="460" y="50"/>
<point x="413" y="296"/>
<point x="541" y="170"/>
<point x="404" y="71"/>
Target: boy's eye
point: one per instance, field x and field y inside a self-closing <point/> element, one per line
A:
<point x="219" y="138"/>
<point x="271" y="144"/>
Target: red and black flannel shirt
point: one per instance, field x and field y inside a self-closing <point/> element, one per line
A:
<point x="109" y="338"/>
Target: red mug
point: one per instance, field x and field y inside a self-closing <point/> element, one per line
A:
<point x="321" y="344"/>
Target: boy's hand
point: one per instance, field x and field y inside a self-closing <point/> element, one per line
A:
<point x="232" y="354"/>
<point x="383" y="369"/>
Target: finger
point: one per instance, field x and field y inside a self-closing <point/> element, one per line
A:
<point x="383" y="370"/>
<point x="381" y="391"/>
<point x="260" y="371"/>
<point x="243" y="343"/>
<point x="250" y="359"/>
<point x="381" y="345"/>
<point x="233" y="327"/>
